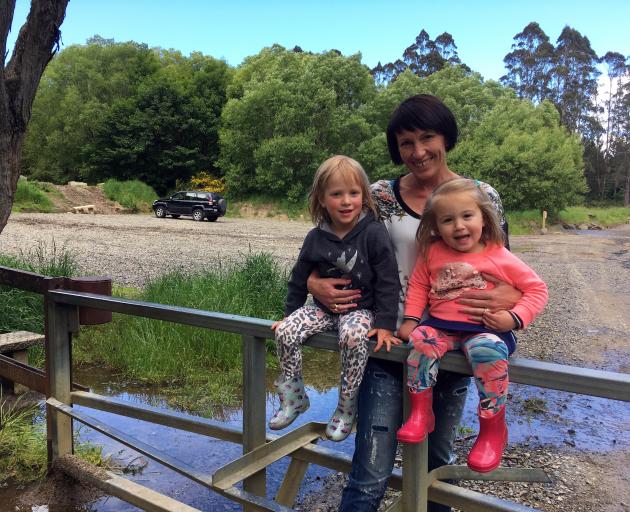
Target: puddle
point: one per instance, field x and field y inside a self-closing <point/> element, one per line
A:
<point x="571" y="422"/>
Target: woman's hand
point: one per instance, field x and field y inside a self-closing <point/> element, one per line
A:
<point x="502" y="296"/>
<point x="325" y="291"/>
<point x="406" y="328"/>
<point x="500" y="321"/>
<point x="384" y="336"/>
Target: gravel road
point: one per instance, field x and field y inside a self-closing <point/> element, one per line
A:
<point x="587" y="321"/>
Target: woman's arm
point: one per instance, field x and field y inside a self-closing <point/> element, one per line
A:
<point x="476" y="302"/>
<point x="325" y="291"/>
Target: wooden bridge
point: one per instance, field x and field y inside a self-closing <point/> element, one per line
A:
<point x="64" y="308"/>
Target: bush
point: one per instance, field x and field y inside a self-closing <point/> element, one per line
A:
<point x="133" y="194"/>
<point x="30" y="197"/>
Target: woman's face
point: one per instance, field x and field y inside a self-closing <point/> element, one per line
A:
<point x="423" y="152"/>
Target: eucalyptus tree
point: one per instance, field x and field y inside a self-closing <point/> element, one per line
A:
<point x="530" y="64"/>
<point x="35" y="45"/>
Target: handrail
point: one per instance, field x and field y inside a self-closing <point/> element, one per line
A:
<point x="585" y="381"/>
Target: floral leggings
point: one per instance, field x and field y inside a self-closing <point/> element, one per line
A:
<point x="353" y="342"/>
<point x="486" y="353"/>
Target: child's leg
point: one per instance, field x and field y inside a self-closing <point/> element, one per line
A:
<point x="487" y="355"/>
<point x="353" y="347"/>
<point x="293" y="332"/>
<point x="290" y="334"/>
<point x="429" y="346"/>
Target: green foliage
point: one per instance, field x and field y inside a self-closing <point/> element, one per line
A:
<point x="125" y="111"/>
<point x="23" y="454"/>
<point x="31" y="197"/>
<point x="602" y="216"/>
<point x="263" y="205"/>
<point x="522" y="150"/>
<point x="133" y="194"/>
<point x="163" y="352"/>
<point x="286" y="113"/>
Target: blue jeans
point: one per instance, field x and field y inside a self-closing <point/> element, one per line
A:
<point x="380" y="417"/>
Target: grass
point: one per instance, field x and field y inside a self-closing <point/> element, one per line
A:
<point x="526" y="222"/>
<point x="23" y="453"/>
<point x="32" y="196"/>
<point x="22" y="310"/>
<point x="134" y="194"/>
<point x="205" y="364"/>
<point x="268" y="207"/>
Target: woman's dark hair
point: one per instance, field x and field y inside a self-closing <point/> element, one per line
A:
<point x="421" y="112"/>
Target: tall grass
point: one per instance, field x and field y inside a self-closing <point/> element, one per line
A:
<point x="161" y="352"/>
<point x="21" y="310"/>
<point x="31" y="197"/>
<point x="133" y="194"/>
<point x="529" y="221"/>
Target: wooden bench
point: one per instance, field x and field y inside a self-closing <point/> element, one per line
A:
<point x="16" y="345"/>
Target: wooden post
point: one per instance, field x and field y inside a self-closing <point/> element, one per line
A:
<point x="61" y="322"/>
<point x="543" y="229"/>
<point x="254" y="408"/>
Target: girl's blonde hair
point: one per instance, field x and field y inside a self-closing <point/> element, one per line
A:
<point x="428" y="230"/>
<point x="350" y="171"/>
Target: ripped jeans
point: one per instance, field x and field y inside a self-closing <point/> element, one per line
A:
<point x="380" y="417"/>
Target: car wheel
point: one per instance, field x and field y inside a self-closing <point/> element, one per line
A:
<point x="160" y="212"/>
<point x="197" y="214"/>
<point x="212" y="218"/>
<point x="174" y="216"/>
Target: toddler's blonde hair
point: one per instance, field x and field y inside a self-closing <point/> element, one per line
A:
<point x="428" y="230"/>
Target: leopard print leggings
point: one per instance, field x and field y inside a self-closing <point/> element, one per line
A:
<point x="353" y="342"/>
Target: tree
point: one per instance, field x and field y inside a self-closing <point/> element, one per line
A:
<point x="529" y="64"/>
<point x="286" y="113"/>
<point x="36" y="43"/>
<point x="524" y="152"/>
<point x="423" y="58"/>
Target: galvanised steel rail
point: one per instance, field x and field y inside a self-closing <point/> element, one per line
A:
<point x="259" y="448"/>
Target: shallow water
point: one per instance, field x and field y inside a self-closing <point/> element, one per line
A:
<point x="574" y="422"/>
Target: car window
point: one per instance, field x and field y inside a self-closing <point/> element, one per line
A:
<point x="179" y="195"/>
<point x="191" y="196"/>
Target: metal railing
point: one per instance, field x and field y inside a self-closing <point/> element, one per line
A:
<point x="261" y="449"/>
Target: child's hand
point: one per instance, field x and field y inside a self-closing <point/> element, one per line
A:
<point x="275" y="325"/>
<point x="384" y="336"/>
<point x="406" y="328"/>
<point x="500" y="321"/>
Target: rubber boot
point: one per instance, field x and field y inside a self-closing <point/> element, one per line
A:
<point x="421" y="420"/>
<point x="342" y="420"/>
<point x="487" y="451"/>
<point x="293" y="401"/>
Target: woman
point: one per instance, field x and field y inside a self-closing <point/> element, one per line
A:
<point x="420" y="133"/>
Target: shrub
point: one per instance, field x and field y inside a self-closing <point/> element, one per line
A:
<point x="134" y="194"/>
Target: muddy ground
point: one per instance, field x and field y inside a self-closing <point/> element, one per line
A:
<point x="587" y="321"/>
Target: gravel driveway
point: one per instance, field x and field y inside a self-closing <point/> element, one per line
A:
<point x="587" y="321"/>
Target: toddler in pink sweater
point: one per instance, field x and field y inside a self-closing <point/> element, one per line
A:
<point x="460" y="244"/>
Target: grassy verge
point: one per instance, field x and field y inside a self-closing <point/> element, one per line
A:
<point x="264" y="206"/>
<point x="32" y="196"/>
<point x="205" y="365"/>
<point x="134" y="194"/>
<point x="529" y="221"/>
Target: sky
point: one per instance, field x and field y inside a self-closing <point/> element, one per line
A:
<point x="483" y="30"/>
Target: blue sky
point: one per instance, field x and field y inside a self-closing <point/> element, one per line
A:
<point x="380" y="30"/>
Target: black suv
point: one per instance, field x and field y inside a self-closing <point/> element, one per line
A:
<point x="200" y="205"/>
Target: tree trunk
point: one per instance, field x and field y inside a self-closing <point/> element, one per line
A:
<point x="36" y="43"/>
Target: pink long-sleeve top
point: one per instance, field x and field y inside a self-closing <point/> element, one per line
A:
<point x="443" y="277"/>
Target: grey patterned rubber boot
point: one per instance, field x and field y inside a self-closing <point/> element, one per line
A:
<point x="293" y="401"/>
<point x="342" y="421"/>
